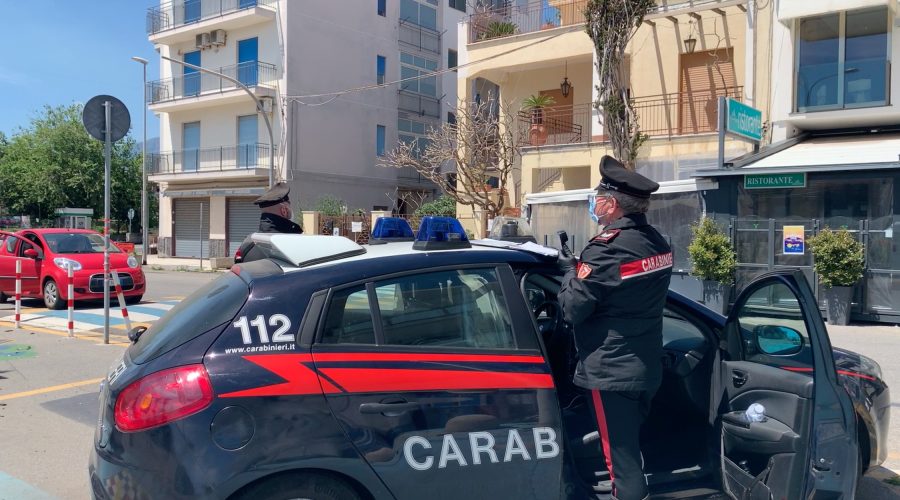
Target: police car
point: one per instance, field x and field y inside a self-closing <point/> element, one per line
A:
<point x="440" y="368"/>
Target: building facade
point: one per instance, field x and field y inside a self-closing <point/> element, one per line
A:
<point x="338" y="86"/>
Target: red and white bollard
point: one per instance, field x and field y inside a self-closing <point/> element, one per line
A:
<point x="115" y="277"/>
<point x="71" y="300"/>
<point x="18" y="292"/>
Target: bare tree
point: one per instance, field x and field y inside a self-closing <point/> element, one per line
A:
<point x="611" y="24"/>
<point x="481" y="145"/>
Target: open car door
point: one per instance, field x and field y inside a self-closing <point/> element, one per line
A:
<point x="779" y="355"/>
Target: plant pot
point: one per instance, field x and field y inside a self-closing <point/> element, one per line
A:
<point x="537" y="136"/>
<point x="837" y="304"/>
<point x="716" y="296"/>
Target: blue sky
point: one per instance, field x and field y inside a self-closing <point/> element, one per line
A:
<point x="67" y="51"/>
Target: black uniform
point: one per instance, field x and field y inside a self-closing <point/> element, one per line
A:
<point x="614" y="299"/>
<point x="271" y="223"/>
<point x="268" y="223"/>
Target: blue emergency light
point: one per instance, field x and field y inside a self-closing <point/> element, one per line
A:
<point x="391" y="229"/>
<point x="441" y="233"/>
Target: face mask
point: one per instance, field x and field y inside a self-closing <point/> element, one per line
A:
<point x="592" y="205"/>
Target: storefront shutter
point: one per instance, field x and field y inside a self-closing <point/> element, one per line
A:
<point x="191" y="233"/>
<point x="704" y="77"/>
<point x="243" y="219"/>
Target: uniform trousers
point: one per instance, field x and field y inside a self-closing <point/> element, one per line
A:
<point x="619" y="416"/>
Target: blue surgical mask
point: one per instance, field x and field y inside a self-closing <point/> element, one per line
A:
<point x="592" y="205"/>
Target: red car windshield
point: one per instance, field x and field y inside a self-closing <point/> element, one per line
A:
<point x="77" y="243"/>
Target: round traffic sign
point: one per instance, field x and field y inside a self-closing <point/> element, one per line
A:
<point x="131" y="213"/>
<point x="94" y="118"/>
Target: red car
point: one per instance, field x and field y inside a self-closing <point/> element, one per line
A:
<point x="45" y="255"/>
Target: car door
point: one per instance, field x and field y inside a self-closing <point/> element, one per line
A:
<point x="438" y="379"/>
<point x="779" y="355"/>
<point x="7" y="263"/>
<point x="31" y="266"/>
<point x="14" y="247"/>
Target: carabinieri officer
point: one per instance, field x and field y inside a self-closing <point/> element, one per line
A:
<point x="276" y="215"/>
<point x="614" y="298"/>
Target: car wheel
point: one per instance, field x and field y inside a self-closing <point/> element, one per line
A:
<point x="301" y="486"/>
<point x="3" y="298"/>
<point x="52" y="299"/>
<point x="133" y="299"/>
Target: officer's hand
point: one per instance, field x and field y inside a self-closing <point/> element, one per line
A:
<point x="566" y="262"/>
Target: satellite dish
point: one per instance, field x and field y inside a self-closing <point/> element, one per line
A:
<point x="94" y="118"/>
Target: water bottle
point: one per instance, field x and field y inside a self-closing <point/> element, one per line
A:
<point x="755" y="413"/>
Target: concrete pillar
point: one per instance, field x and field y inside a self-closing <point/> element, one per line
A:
<point x="311" y="222"/>
<point x="378" y="213"/>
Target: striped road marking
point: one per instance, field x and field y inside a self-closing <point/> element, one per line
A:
<point x="91" y="320"/>
<point x="12" y="488"/>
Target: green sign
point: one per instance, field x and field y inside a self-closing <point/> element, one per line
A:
<point x="774" y="181"/>
<point x="743" y="120"/>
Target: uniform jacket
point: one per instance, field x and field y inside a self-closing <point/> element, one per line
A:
<point x="271" y="223"/>
<point x="614" y="299"/>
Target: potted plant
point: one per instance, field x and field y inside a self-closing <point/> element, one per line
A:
<point x="714" y="262"/>
<point x="839" y="261"/>
<point x="536" y="103"/>
<point x="550" y="22"/>
<point x="497" y="29"/>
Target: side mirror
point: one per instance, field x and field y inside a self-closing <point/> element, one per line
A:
<point x="31" y="253"/>
<point x="777" y="340"/>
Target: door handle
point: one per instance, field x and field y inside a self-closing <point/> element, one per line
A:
<point x="389" y="409"/>
<point x="739" y="378"/>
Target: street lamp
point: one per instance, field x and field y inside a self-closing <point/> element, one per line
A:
<point x="259" y="109"/>
<point x="145" y="210"/>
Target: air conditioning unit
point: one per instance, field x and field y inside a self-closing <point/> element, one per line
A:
<point x="201" y="40"/>
<point x="217" y="37"/>
<point x="266" y="104"/>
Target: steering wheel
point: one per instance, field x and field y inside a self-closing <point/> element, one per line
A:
<point x="551" y="320"/>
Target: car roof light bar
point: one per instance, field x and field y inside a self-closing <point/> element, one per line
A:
<point x="441" y="233"/>
<point x="391" y="229"/>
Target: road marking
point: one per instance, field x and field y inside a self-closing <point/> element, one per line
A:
<point x="53" y="388"/>
<point x="78" y="336"/>
<point x="20" y="490"/>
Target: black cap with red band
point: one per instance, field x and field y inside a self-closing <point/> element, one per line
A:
<point x="618" y="178"/>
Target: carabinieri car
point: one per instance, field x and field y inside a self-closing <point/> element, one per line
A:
<point x="440" y="369"/>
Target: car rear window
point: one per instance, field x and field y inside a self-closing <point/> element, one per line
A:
<point x="213" y="305"/>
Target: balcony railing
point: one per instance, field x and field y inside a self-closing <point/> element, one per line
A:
<point x="677" y="114"/>
<point x="422" y="105"/>
<point x="510" y="19"/>
<point x="420" y="37"/>
<point x="172" y="15"/>
<point x="251" y="74"/>
<point x="221" y="159"/>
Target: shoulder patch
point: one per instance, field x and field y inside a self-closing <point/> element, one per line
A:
<point x="584" y="270"/>
<point x="607" y="236"/>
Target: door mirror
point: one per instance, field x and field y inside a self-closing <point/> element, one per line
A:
<point x="31" y="253"/>
<point x="777" y="340"/>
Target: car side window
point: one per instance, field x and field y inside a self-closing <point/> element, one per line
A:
<point x="349" y="318"/>
<point x="11" y="244"/>
<point x="773" y="330"/>
<point x="461" y="308"/>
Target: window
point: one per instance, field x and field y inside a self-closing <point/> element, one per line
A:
<point x="412" y="69"/>
<point x="452" y="59"/>
<point x="382" y="8"/>
<point x="459" y="5"/>
<point x="191" y="82"/>
<point x="831" y="78"/>
<point x="451" y="118"/>
<point x="412" y="132"/>
<point x="415" y="12"/>
<point x="460" y="308"/>
<point x="349" y="318"/>
<point x="379" y="140"/>
<point x="248" y="133"/>
<point x="772" y="327"/>
<point x="190" y="143"/>
<point x="248" y="65"/>
<point x="380" y="65"/>
<point x="11" y="244"/>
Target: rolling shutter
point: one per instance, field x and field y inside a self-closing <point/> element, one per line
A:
<point x="704" y="77"/>
<point x="191" y="234"/>
<point x="243" y="219"/>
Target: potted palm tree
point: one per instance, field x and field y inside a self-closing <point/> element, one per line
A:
<point x="839" y="261"/>
<point x="536" y="104"/>
<point x="713" y="261"/>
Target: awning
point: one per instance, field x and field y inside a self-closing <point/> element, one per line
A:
<point x="793" y="9"/>
<point x="820" y="154"/>
<point x="680" y="186"/>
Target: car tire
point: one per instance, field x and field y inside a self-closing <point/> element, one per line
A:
<point x="3" y="298"/>
<point x="133" y="300"/>
<point x="303" y="485"/>
<point x="52" y="298"/>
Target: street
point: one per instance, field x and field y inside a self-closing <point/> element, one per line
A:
<point x="48" y="394"/>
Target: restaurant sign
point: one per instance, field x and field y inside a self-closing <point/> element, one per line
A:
<point x="774" y="181"/>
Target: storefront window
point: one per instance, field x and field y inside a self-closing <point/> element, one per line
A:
<point x="842" y="60"/>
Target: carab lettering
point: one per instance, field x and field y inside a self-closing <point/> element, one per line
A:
<point x="646" y="265"/>
<point x="481" y="449"/>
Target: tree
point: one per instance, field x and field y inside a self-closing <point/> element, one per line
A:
<point x="481" y="144"/>
<point x="54" y="163"/>
<point x="611" y="24"/>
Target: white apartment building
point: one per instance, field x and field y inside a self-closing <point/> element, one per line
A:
<point x="312" y="64"/>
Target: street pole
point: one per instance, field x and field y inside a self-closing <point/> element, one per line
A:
<point x="106" y="162"/>
<point x="145" y="208"/>
<point x="259" y="109"/>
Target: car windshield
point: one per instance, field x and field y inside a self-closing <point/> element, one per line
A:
<point x="77" y="243"/>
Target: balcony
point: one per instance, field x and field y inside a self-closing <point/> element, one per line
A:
<point x="419" y="104"/>
<point x="419" y="37"/>
<point x="179" y="21"/>
<point x="510" y="19"/>
<point x="195" y="90"/>
<point x="666" y="115"/>
<point x="243" y="161"/>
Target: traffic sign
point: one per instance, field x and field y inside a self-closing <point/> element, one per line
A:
<point x="94" y="118"/>
<point x="130" y="213"/>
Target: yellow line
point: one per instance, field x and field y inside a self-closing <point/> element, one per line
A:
<point x="54" y="388"/>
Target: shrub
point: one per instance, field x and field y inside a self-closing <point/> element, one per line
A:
<point x="499" y="28"/>
<point x="444" y="206"/>
<point x="329" y="205"/>
<point x="839" y="260"/>
<point x="711" y="253"/>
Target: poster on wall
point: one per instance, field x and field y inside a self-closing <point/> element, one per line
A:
<point x="794" y="243"/>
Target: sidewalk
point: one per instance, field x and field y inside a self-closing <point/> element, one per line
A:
<point x="157" y="263"/>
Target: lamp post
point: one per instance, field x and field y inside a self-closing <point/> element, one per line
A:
<point x="145" y="210"/>
<point x="259" y="109"/>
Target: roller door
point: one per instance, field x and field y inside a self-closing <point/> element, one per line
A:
<point x="191" y="220"/>
<point x="243" y="219"/>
